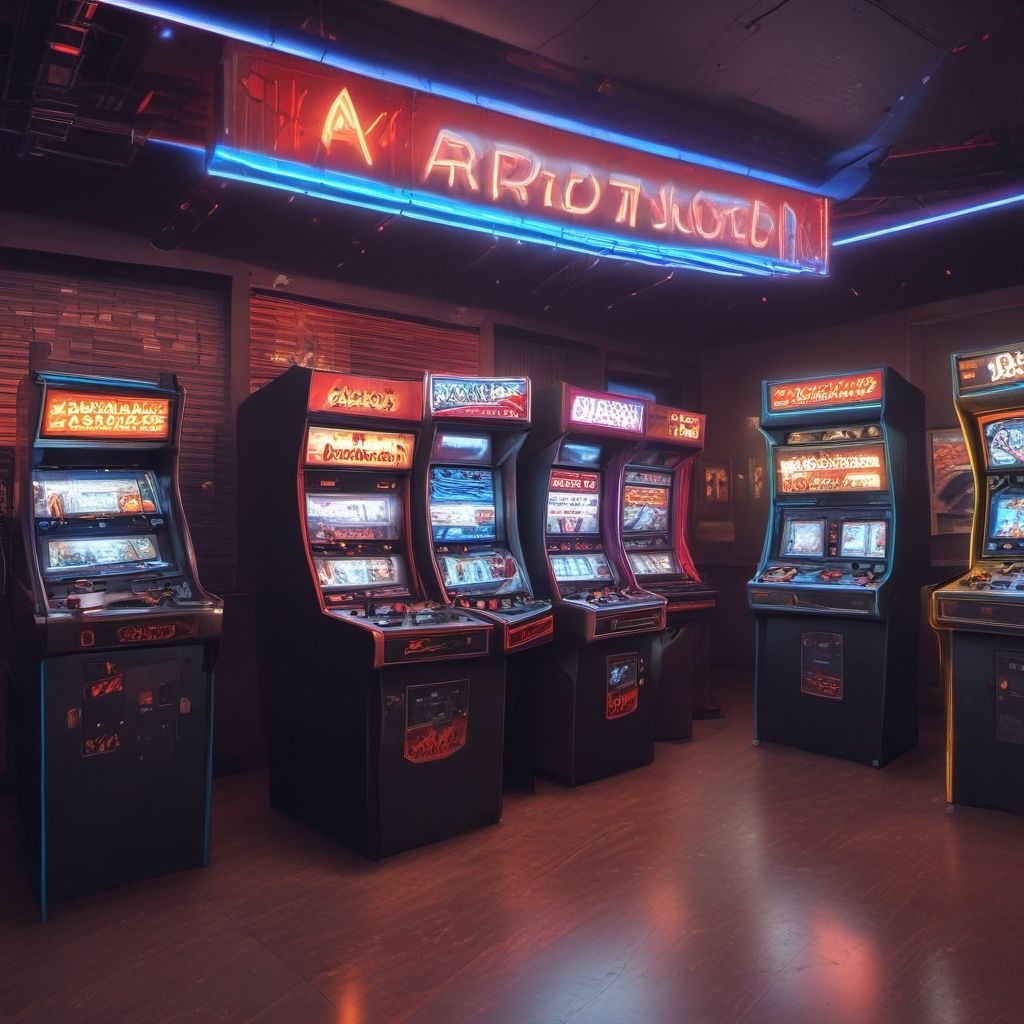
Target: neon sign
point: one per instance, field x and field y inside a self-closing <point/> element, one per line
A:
<point x="995" y="368"/>
<point x="365" y="396"/>
<point x="337" y="135"/>
<point x="505" y="398"/>
<point x="831" y="470"/>
<point x="667" y="424"/>
<point x="358" y="448"/>
<point x="75" y="414"/>
<point x="822" y="392"/>
<point x="611" y="413"/>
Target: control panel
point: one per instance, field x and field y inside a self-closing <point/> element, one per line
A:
<point x="402" y="614"/>
<point x="991" y="576"/>
<point x="853" y="574"/>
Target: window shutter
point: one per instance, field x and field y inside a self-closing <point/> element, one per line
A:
<point x="286" y="332"/>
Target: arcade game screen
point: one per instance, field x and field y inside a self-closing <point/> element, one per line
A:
<point x="863" y="539"/>
<point x="581" y="568"/>
<point x="804" y="537"/>
<point x="462" y="504"/>
<point x="576" y="453"/>
<point x="343" y="517"/>
<point x="358" y="572"/>
<point x="574" y="503"/>
<point x="496" y="572"/>
<point x="93" y="492"/>
<point x="452" y="447"/>
<point x="652" y="563"/>
<point x="645" y="502"/>
<point x="1006" y="515"/>
<point x="106" y="554"/>
<point x="1004" y="441"/>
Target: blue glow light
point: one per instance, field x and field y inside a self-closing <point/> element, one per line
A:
<point x="350" y="190"/>
<point x="187" y="146"/>
<point x="921" y="222"/>
<point x="323" y="51"/>
<point x="89" y="380"/>
<point x="42" y="791"/>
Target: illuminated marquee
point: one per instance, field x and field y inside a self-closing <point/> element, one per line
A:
<point x="610" y="413"/>
<point x="75" y="414"/>
<point x="505" y="398"/>
<point x="828" y="470"/>
<point x="359" y="448"/>
<point x="366" y="396"/>
<point x="667" y="424"/>
<point x="574" y="480"/>
<point x="341" y="136"/>
<point x="995" y="368"/>
<point x="822" y="392"/>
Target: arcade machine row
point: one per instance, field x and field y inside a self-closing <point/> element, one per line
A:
<point x="655" y="503"/>
<point x="383" y="709"/>
<point x="836" y="595"/>
<point x="464" y="514"/>
<point x="594" y="712"/>
<point x="117" y="638"/>
<point x="979" y="617"/>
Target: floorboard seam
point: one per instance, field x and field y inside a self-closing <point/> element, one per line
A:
<point x="284" y="963"/>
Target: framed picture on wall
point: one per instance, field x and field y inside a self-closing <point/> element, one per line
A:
<point x="951" y="483"/>
<point x="756" y="474"/>
<point x="714" y="483"/>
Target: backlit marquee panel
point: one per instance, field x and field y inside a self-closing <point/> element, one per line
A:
<point x="825" y="392"/>
<point x="995" y="368"/>
<point x="107" y="417"/>
<point x="602" y="413"/>
<point x="667" y="424"/>
<point x="359" y="449"/>
<point x="504" y="398"/>
<point x="843" y="469"/>
<point x="333" y="134"/>
<point x="365" y="396"/>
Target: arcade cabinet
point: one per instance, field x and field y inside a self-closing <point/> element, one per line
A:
<point x="593" y="709"/>
<point x="655" y="502"/>
<point x="116" y="638"/>
<point x="980" y="616"/>
<point x="383" y="709"/>
<point x="837" y="593"/>
<point x="466" y="475"/>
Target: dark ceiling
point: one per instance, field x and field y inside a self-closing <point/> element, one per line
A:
<point x="918" y="102"/>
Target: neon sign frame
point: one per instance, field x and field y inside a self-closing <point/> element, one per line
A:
<point x="598" y="412"/>
<point x="677" y="426"/>
<point x="401" y="150"/>
<point x="835" y="469"/>
<point x="504" y="398"/>
<point x="839" y="391"/>
<point x="1005" y="366"/>
<point x="118" y="426"/>
<point x="205" y="17"/>
<point x="354" y="395"/>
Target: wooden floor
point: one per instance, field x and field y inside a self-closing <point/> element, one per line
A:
<point x="723" y="884"/>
